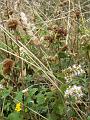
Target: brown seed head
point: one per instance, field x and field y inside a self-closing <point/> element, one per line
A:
<point x="7" y="65"/>
<point x="61" y="31"/>
<point x="73" y="118"/>
<point x="48" y="38"/>
<point x="36" y="41"/>
<point x="77" y="13"/>
<point x="12" y="23"/>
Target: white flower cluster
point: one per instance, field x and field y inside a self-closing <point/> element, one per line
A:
<point x="74" y="71"/>
<point x="74" y="91"/>
<point x="23" y="18"/>
<point x="25" y="90"/>
<point x="1" y="86"/>
<point x="77" y="70"/>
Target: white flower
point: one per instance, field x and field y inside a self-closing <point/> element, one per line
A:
<point x="74" y="71"/>
<point x="75" y="91"/>
<point x="23" y="18"/>
<point x="74" y="66"/>
<point x="1" y="86"/>
<point x="25" y="90"/>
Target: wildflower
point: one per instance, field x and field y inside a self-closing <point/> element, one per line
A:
<point x="77" y="13"/>
<point x="73" y="71"/>
<point x="48" y="38"/>
<point x="60" y="31"/>
<point x="1" y="86"/>
<point x="74" y="91"/>
<point x="25" y="24"/>
<point x="18" y="107"/>
<point x="25" y="90"/>
<point x="23" y="18"/>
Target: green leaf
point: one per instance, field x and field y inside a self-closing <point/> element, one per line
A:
<point x="1" y="77"/>
<point x="40" y="99"/>
<point x="88" y="118"/>
<point x="14" y="116"/>
<point x="32" y="91"/>
<point x="63" y="88"/>
<point x="62" y="55"/>
<point x="6" y="92"/>
<point x="58" y="107"/>
<point x="53" y="116"/>
<point x="19" y="96"/>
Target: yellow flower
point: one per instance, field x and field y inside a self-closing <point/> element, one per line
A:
<point x="18" y="107"/>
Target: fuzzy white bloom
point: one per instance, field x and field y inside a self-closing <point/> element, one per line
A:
<point x="23" y="18"/>
<point x="29" y="27"/>
<point x="1" y="86"/>
<point x="25" y="90"/>
<point x="74" y="91"/>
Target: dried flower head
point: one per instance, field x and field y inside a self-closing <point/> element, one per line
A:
<point x="49" y="38"/>
<point x="12" y="23"/>
<point x="36" y="41"/>
<point x="73" y="118"/>
<point x="77" y="13"/>
<point x="7" y="65"/>
<point x="61" y="31"/>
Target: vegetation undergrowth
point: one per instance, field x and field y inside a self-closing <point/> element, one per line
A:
<point x="44" y="60"/>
